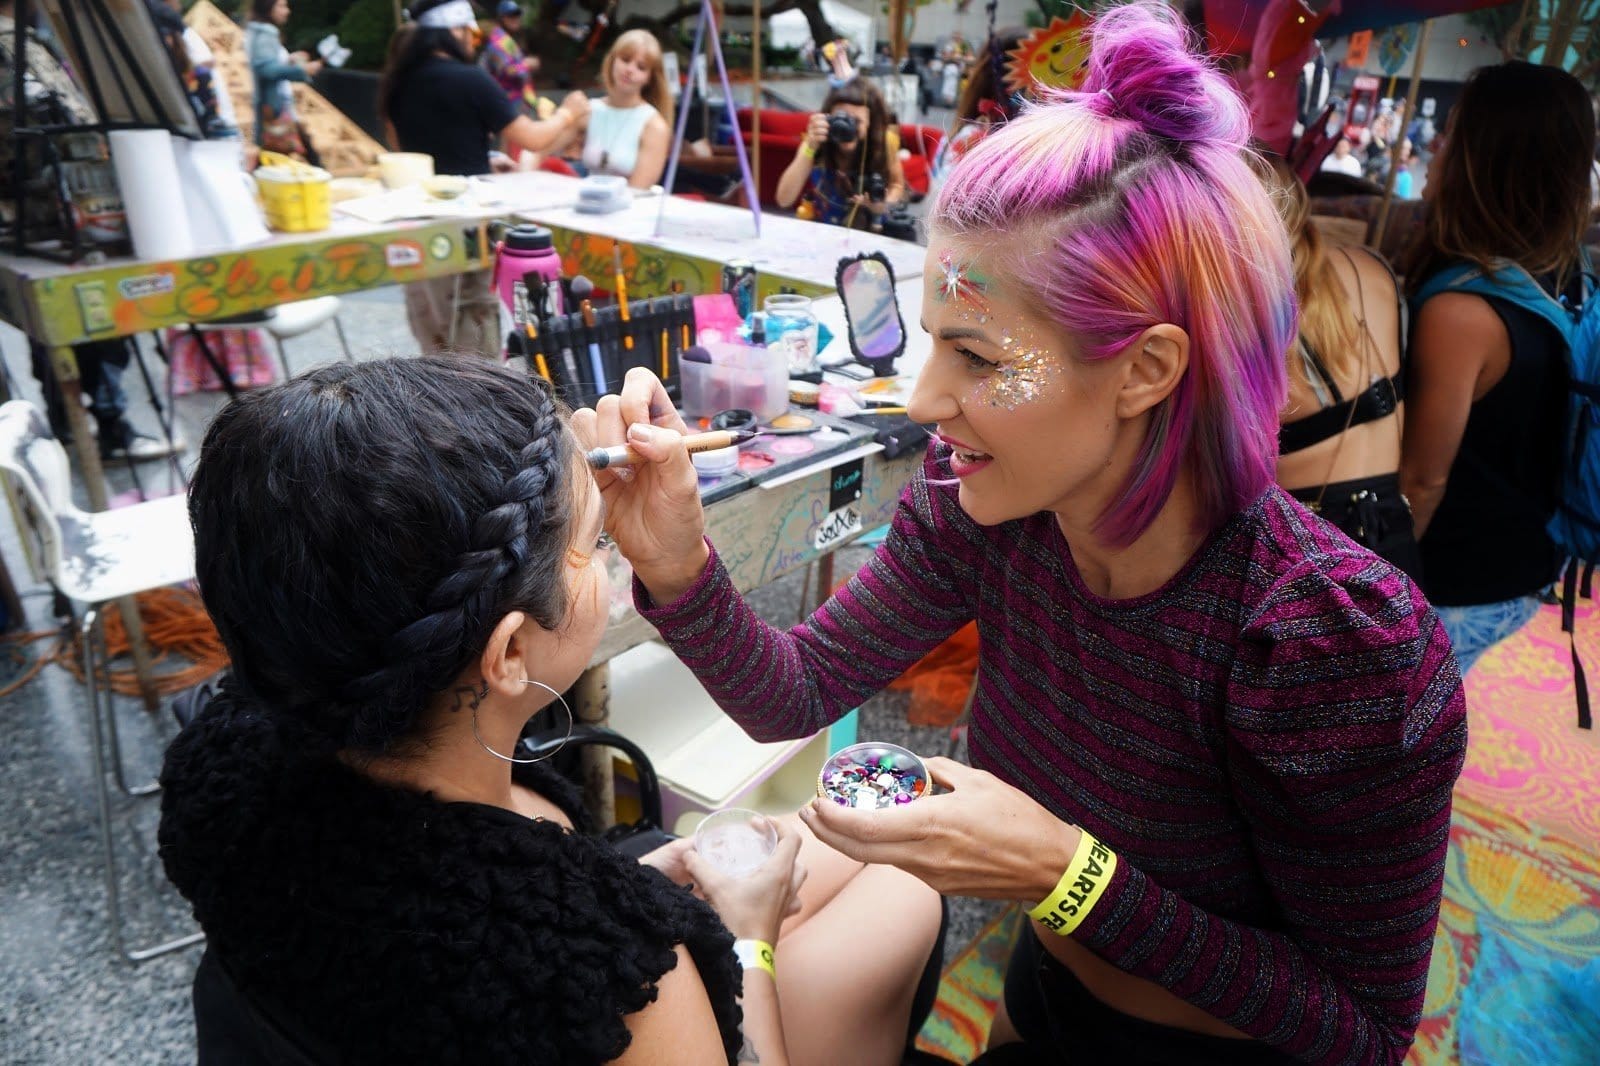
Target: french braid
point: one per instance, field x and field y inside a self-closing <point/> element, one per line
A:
<point x="361" y="529"/>
<point x="426" y="656"/>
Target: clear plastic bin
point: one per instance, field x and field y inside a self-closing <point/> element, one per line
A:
<point x="738" y="376"/>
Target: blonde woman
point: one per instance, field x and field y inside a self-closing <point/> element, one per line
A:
<point x="1339" y="445"/>
<point x="628" y="132"/>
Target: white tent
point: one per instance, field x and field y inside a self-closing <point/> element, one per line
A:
<point x="789" y="30"/>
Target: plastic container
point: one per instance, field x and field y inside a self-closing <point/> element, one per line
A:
<point x="527" y="250"/>
<point x="792" y="329"/>
<point x="736" y="840"/>
<point x="719" y="462"/>
<point x="296" y="198"/>
<point x="756" y="379"/>
<point x="873" y="775"/>
<point x="398" y="170"/>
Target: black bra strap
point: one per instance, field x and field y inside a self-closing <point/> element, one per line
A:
<point x="1378" y="400"/>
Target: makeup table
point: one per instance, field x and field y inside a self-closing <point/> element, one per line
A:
<point x="762" y="533"/>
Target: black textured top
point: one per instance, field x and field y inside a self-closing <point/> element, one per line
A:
<point x="401" y="929"/>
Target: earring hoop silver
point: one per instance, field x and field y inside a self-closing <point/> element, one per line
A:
<point x="524" y="762"/>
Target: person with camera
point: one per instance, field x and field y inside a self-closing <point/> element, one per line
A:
<point x="843" y="173"/>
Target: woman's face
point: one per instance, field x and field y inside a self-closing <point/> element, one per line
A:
<point x="280" y="12"/>
<point x="1032" y="428"/>
<point x="588" y="590"/>
<point x="861" y="114"/>
<point x="631" y="71"/>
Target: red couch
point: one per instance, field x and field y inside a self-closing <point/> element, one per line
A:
<point x="781" y="132"/>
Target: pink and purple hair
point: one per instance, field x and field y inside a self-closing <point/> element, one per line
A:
<point x="1139" y="207"/>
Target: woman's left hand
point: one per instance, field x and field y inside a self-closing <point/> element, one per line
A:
<point x="983" y="838"/>
<point x="668" y="858"/>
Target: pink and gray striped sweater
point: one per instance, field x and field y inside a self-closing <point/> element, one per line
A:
<point x="1269" y="741"/>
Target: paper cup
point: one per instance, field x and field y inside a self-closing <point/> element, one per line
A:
<point x="735" y="840"/>
<point x="873" y="775"/>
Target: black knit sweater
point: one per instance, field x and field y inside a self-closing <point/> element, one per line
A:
<point x="397" y="928"/>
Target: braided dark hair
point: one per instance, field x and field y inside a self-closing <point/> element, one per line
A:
<point x="361" y="530"/>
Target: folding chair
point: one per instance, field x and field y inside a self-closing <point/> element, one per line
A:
<point x="92" y="559"/>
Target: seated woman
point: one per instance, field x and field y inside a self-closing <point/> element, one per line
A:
<point x="845" y="175"/>
<point x="1213" y="741"/>
<point x="404" y="560"/>
<point x="629" y="131"/>
<point x="1339" y="445"/>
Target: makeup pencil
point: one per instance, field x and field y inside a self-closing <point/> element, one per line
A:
<point x="622" y="296"/>
<point x="622" y="455"/>
<point x="665" y="372"/>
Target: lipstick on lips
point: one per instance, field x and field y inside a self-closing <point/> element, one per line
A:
<point x="964" y="460"/>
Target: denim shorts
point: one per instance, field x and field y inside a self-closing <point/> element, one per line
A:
<point x="1474" y="630"/>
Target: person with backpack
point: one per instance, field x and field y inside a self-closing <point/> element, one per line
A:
<point x="1486" y="437"/>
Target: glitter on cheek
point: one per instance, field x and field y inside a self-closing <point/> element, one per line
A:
<point x="1025" y="377"/>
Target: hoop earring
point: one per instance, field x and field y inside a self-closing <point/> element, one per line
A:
<point x="524" y="762"/>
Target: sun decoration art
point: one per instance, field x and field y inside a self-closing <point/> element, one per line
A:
<point x="1053" y="57"/>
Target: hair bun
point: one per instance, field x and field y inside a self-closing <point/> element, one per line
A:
<point x="1144" y="68"/>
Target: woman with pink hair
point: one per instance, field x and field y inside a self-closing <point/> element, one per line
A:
<point x="1213" y="740"/>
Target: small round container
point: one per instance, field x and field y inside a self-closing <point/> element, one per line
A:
<point x="734" y="419"/>
<point x="804" y="393"/>
<point x="873" y="775"/>
<point x="719" y="462"/>
<point x="735" y="840"/>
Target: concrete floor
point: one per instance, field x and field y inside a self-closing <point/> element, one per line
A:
<point x="64" y="996"/>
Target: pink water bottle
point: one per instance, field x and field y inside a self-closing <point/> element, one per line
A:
<point x="528" y="250"/>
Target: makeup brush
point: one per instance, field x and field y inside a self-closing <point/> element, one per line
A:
<point x="622" y="455"/>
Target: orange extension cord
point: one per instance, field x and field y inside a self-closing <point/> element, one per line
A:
<point x="175" y="624"/>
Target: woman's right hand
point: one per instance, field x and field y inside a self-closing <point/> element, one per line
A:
<point x="653" y="507"/>
<point x="576" y="104"/>
<point x="816" y="131"/>
<point x="753" y="905"/>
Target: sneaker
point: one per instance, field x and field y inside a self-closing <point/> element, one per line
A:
<point x="141" y="448"/>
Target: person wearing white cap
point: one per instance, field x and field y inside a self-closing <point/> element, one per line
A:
<point x="434" y="100"/>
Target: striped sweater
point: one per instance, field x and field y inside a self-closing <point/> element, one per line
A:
<point x="1269" y="741"/>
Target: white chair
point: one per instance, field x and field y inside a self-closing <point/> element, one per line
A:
<point x="92" y="559"/>
<point x="287" y="321"/>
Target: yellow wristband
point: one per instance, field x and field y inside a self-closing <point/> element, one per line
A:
<point x="755" y="954"/>
<point x="807" y="151"/>
<point x="1079" y="889"/>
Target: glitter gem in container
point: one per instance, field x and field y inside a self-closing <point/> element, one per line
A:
<point x="873" y="775"/>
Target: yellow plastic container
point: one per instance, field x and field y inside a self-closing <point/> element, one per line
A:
<point x="295" y="196"/>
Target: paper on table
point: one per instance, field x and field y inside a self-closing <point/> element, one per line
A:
<point x="414" y="203"/>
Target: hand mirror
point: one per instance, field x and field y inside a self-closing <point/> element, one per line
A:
<point x="871" y="312"/>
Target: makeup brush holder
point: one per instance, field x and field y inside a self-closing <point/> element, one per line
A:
<point x="756" y="379"/>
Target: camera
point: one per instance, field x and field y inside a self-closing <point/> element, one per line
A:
<point x="842" y="129"/>
<point x="898" y="223"/>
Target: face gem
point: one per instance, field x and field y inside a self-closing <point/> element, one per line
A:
<point x="958" y="281"/>
<point x="1025" y="376"/>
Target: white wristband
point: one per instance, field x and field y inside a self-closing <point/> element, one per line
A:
<point x="754" y="954"/>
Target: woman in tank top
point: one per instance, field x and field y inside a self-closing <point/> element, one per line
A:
<point x="1487" y="378"/>
<point x="628" y="132"/>
<point x="1339" y="445"/>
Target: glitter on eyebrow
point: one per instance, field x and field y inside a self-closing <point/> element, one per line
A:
<point x="958" y="281"/>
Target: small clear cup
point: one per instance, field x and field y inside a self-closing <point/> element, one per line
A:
<point x="792" y="328"/>
<point x="873" y="775"/>
<point x="736" y="840"/>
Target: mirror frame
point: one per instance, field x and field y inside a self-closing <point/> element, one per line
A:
<point x="882" y="365"/>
